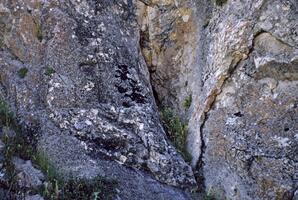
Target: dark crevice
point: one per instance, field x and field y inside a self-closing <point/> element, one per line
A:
<point x="238" y="114"/>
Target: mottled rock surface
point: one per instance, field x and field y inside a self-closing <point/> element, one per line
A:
<point x="72" y="71"/>
<point x="250" y="130"/>
<point x="242" y="75"/>
<point x="27" y="176"/>
<point x="84" y="76"/>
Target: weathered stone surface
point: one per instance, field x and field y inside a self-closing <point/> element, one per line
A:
<point x="87" y="93"/>
<point x="27" y="175"/>
<point x="243" y="80"/>
<point x="34" y="197"/>
<point x="243" y="118"/>
<point x="249" y="132"/>
<point x="169" y="43"/>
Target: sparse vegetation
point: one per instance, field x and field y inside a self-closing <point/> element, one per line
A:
<point x="54" y="188"/>
<point x="39" y="32"/>
<point x="220" y="2"/>
<point x="23" y="72"/>
<point x="6" y="116"/>
<point x="187" y="102"/>
<point x="83" y="189"/>
<point x="49" y="71"/>
<point x="176" y="130"/>
<point x="210" y="195"/>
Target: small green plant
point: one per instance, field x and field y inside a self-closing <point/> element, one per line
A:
<point x="187" y="102"/>
<point x="41" y="161"/>
<point x="83" y="189"/>
<point x="220" y="2"/>
<point x="23" y="72"/>
<point x="6" y="116"/>
<point x="176" y="131"/>
<point x="39" y="32"/>
<point x="49" y="71"/>
<point x="210" y="195"/>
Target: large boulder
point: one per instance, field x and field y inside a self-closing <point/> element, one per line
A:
<point x="73" y="73"/>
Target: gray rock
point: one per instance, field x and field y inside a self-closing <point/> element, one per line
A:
<point x="27" y="175"/>
<point x="242" y="75"/>
<point x="2" y="146"/>
<point x="34" y="197"/>
<point x="87" y="93"/>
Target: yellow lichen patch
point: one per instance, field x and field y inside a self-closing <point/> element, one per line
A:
<point x="184" y="12"/>
<point x="34" y="4"/>
<point x="22" y="40"/>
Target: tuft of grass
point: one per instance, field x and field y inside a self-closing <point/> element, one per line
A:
<point x="176" y="131"/>
<point x="187" y="102"/>
<point x="23" y="72"/>
<point x="41" y="161"/>
<point x="49" y="71"/>
<point x="6" y="116"/>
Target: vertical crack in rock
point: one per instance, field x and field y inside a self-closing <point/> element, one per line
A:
<point x="210" y="101"/>
<point x="246" y="114"/>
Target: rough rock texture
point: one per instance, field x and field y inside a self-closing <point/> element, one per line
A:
<point x="243" y="81"/>
<point x="250" y="131"/>
<point x="73" y="73"/>
<point x="27" y="176"/>
<point x="169" y="43"/>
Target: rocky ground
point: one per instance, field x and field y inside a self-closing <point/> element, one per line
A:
<point x="148" y="99"/>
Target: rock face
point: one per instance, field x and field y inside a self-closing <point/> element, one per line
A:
<point x="73" y="73"/>
<point x="169" y="43"/>
<point x="84" y="76"/>
<point x="250" y="132"/>
<point x="243" y="81"/>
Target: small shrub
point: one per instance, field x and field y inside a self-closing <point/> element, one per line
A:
<point x="23" y="72"/>
<point x="49" y="71"/>
<point x="187" y="102"/>
<point x="176" y="131"/>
